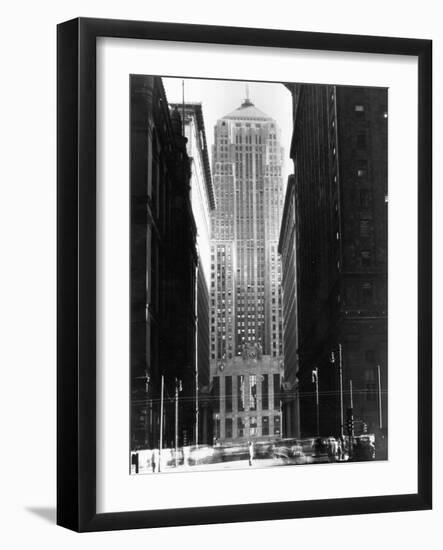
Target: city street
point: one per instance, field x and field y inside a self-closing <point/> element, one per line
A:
<point x="225" y="362"/>
<point x="231" y="465"/>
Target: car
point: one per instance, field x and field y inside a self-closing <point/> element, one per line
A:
<point x="297" y="450"/>
<point x="284" y="448"/>
<point x="234" y="452"/>
<point x="320" y="450"/>
<point x="263" y="449"/>
<point x="201" y="454"/>
<point x="363" y="449"/>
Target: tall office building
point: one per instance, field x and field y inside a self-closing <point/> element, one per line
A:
<point x="246" y="318"/>
<point x="336" y="224"/>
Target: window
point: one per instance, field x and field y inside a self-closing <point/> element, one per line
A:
<point x="265" y="392"/>
<point x="364" y="228"/>
<point x="240" y="427"/>
<point x="359" y="108"/>
<point x="370" y="383"/>
<point x="365" y="257"/>
<point x="228" y="428"/>
<point x="216" y="393"/>
<point x="240" y="393"/>
<point x="361" y="141"/>
<point x="276" y="391"/>
<point x="228" y="393"/>
<point x="366" y="293"/>
<point x="253" y="426"/>
<point x="265" y="425"/>
<point x="365" y="198"/>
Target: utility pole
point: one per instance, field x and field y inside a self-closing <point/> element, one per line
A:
<point x="380" y="418"/>
<point x="161" y="424"/>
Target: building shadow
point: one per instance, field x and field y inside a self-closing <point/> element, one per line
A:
<point x="46" y="513"/>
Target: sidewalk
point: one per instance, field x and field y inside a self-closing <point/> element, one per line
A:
<point x="232" y="465"/>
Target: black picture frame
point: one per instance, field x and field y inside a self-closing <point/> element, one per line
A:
<point x="76" y="267"/>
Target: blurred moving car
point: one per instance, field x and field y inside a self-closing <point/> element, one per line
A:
<point x="263" y="449"/>
<point x="320" y="450"/>
<point x="201" y="454"/>
<point x="363" y="448"/>
<point x="290" y="450"/>
<point x="229" y="453"/>
<point x="282" y="448"/>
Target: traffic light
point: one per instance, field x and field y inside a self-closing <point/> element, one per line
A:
<point x="350" y="421"/>
<point x="350" y="425"/>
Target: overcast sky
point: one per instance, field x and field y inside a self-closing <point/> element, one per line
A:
<point x="220" y="97"/>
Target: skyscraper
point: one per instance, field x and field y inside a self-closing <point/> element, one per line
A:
<point x="337" y="210"/>
<point x="246" y="317"/>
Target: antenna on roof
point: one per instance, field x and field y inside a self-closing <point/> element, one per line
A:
<point x="247" y="102"/>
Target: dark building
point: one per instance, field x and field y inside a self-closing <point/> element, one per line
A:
<point x="339" y="149"/>
<point x="203" y="338"/>
<point x="287" y="248"/>
<point x="203" y="203"/>
<point x="163" y="272"/>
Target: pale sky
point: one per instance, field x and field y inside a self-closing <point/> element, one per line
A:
<point x="220" y="97"/>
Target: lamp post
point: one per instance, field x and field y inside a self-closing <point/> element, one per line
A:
<point x="178" y="388"/>
<point x="340" y="371"/>
<point x="317" y="401"/>
<point x="351" y="420"/>
<point x="380" y="418"/>
<point x="161" y="423"/>
<point x="148" y="406"/>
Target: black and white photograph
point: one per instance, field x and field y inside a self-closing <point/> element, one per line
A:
<point x="258" y="274"/>
<point x="221" y="267"/>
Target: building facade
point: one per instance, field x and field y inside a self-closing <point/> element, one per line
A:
<point x="339" y="148"/>
<point x="246" y="317"/>
<point x="246" y="401"/>
<point x="287" y="249"/>
<point x="164" y="263"/>
<point x="202" y="203"/>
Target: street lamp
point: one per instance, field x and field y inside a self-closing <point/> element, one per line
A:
<point x="315" y="381"/>
<point x="380" y="417"/>
<point x="148" y="405"/>
<point x="178" y="388"/>
<point x="340" y="370"/>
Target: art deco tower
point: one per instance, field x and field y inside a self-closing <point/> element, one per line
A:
<point x="246" y="318"/>
<point x="247" y="166"/>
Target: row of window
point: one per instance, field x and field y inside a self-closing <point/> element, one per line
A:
<point x="248" y="427"/>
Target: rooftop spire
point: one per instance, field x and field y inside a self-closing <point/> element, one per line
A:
<point x="247" y="102"/>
